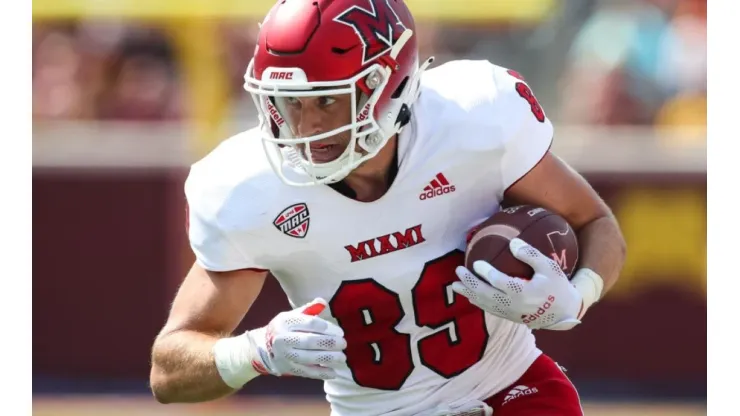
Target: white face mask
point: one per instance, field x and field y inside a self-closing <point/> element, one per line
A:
<point x="368" y="133"/>
<point x="279" y="88"/>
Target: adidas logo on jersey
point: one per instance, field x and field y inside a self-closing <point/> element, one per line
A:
<point x="438" y="186"/>
<point x="518" y="391"/>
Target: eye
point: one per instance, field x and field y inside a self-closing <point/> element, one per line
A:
<point x="292" y="101"/>
<point x="326" y="101"/>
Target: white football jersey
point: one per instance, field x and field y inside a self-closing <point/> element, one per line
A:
<point x="386" y="267"/>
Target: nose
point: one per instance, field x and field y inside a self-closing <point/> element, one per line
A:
<point x="311" y="121"/>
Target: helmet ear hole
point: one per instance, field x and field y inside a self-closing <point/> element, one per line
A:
<point x="404" y="116"/>
<point x="397" y="93"/>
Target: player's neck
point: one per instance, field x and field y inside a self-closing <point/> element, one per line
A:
<point x="371" y="180"/>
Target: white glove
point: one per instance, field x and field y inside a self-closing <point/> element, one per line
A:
<point x="472" y="408"/>
<point x="547" y="301"/>
<point x="294" y="343"/>
<point x="299" y="343"/>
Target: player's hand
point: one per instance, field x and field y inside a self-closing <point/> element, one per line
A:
<point x="300" y="343"/>
<point x="547" y="301"/>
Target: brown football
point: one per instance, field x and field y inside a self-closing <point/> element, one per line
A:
<point x="542" y="229"/>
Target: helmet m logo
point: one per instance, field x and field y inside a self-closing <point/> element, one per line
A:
<point x="377" y="27"/>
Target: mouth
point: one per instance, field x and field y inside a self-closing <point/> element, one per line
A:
<point x="325" y="152"/>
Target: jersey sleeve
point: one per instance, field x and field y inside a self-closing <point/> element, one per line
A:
<point x="529" y="131"/>
<point x="219" y="241"/>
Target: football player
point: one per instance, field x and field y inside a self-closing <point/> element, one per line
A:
<point x="356" y="192"/>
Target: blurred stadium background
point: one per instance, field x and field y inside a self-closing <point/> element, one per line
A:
<point x="127" y="93"/>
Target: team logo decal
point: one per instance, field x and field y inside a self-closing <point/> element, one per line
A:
<point x="378" y="27"/>
<point x="293" y="221"/>
<point x="559" y="253"/>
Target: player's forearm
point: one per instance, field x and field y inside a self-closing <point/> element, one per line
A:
<point x="183" y="369"/>
<point x="602" y="249"/>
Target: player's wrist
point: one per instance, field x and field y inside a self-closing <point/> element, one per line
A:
<point x="239" y="359"/>
<point x="590" y="285"/>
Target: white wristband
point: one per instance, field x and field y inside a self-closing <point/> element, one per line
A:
<point x="237" y="360"/>
<point x="590" y="285"/>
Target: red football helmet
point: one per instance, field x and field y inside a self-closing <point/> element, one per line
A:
<point x="365" y="48"/>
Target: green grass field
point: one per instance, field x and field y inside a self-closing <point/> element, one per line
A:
<point x="114" y="406"/>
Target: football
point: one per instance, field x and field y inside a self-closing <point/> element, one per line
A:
<point x="546" y="231"/>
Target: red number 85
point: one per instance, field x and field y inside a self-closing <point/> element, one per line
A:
<point x="379" y="356"/>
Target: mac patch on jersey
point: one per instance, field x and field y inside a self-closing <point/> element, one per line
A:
<point x="293" y="221"/>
